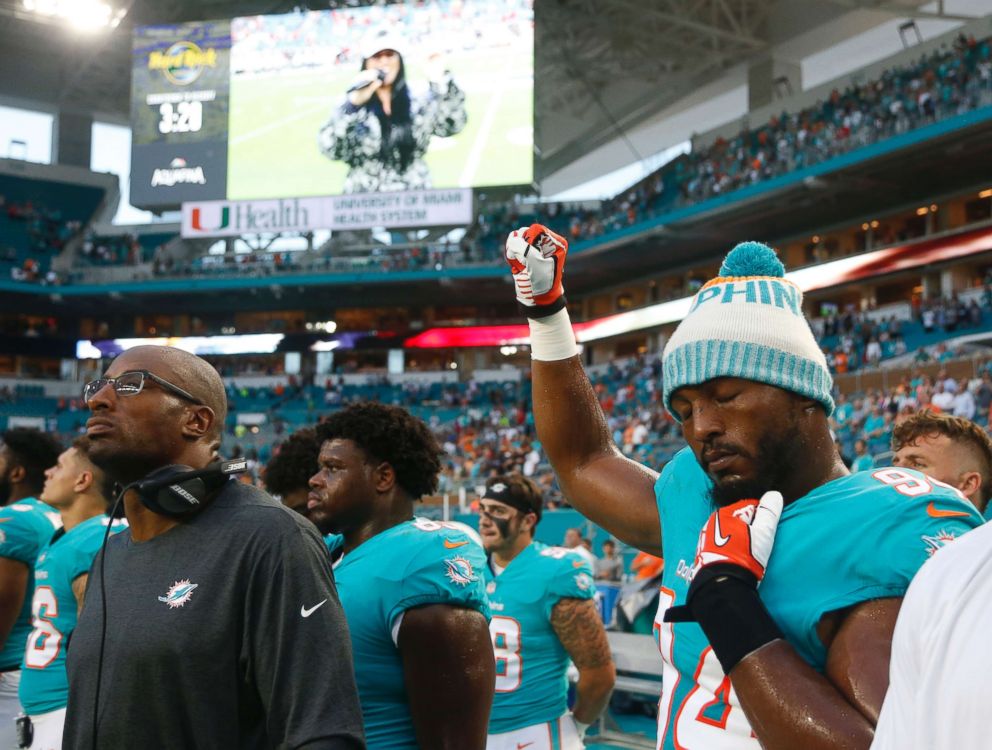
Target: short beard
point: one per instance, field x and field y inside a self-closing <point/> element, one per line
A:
<point x="324" y="524"/>
<point x="328" y="524"/>
<point x="775" y="461"/>
<point x="123" y="466"/>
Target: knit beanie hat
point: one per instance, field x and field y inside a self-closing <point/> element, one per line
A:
<point x="748" y="323"/>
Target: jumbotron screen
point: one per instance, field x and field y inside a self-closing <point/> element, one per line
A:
<point x="408" y="96"/>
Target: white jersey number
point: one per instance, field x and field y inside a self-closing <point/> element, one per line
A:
<point x="45" y="640"/>
<point x="906" y="484"/>
<point x="903" y="482"/>
<point x="505" y="632"/>
<point x="710" y="716"/>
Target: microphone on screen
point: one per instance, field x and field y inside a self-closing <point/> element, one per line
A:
<point x="364" y="81"/>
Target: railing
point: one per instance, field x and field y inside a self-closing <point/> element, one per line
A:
<point x="883" y="378"/>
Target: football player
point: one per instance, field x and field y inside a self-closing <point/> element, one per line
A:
<point x="26" y="525"/>
<point x="412" y="589"/>
<point x="288" y="471"/>
<point x="543" y="614"/>
<point x="80" y="492"/>
<point x="952" y="449"/>
<point x="805" y="664"/>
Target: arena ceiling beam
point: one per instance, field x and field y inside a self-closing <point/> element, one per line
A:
<point x="904" y="11"/>
<point x="609" y="65"/>
<point x="713" y="19"/>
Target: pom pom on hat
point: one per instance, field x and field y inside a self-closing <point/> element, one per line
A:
<point x="752" y="259"/>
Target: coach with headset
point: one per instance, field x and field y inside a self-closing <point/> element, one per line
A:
<point x="213" y="622"/>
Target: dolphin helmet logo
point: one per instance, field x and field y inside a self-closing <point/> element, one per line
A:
<point x="459" y="571"/>
<point x="179" y="593"/>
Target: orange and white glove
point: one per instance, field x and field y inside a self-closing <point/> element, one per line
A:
<point x="537" y="259"/>
<point x="741" y="534"/>
<point x="731" y="557"/>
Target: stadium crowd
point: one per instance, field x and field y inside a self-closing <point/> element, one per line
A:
<point x="124" y="249"/>
<point x="492" y="432"/>
<point x="940" y="85"/>
<point x="45" y="232"/>
<point x="853" y="339"/>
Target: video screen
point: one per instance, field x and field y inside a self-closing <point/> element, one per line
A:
<point x="408" y="96"/>
<point x="249" y="343"/>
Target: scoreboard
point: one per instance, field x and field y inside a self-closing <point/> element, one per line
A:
<point x="180" y="89"/>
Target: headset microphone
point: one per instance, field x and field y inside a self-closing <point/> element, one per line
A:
<point x="177" y="490"/>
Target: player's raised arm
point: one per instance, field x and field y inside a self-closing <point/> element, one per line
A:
<point x="598" y="480"/>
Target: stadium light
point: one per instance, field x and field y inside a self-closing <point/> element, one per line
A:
<point x="327" y="326"/>
<point x="83" y="15"/>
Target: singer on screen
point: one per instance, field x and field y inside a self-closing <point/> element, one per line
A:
<point x="382" y="128"/>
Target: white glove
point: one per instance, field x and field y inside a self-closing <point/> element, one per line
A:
<point x="537" y="260"/>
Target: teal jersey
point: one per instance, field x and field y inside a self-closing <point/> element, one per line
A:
<point x="531" y="686"/>
<point x="413" y="564"/>
<point x="44" y="685"/>
<point x="25" y="527"/>
<point x="856" y="538"/>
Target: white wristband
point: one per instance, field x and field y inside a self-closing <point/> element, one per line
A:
<point x="552" y="338"/>
<point x="580" y="726"/>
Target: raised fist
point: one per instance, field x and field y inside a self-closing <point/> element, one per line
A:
<point x="537" y="259"/>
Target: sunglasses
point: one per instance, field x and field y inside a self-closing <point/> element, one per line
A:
<point x="132" y="382"/>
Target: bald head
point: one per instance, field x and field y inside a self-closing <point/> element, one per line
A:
<point x="177" y="418"/>
<point x="179" y="367"/>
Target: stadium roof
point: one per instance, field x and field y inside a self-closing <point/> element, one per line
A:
<point x="602" y="66"/>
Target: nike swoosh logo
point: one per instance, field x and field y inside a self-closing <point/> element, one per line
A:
<point x="720" y="539"/>
<point x="577" y="563"/>
<point x="304" y="612"/>
<point x="454" y="545"/>
<point x="521" y="746"/>
<point x="935" y="512"/>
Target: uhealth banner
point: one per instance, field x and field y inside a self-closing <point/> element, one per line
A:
<point x="392" y="210"/>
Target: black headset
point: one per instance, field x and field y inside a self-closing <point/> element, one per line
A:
<point x="176" y="491"/>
